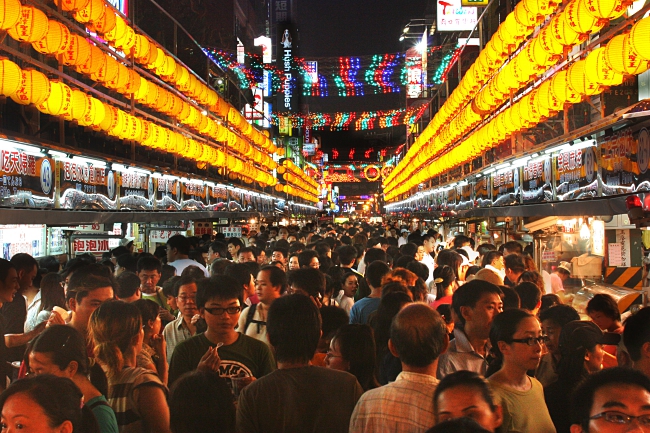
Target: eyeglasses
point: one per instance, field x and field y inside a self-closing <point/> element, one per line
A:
<point x="531" y="341"/>
<point x="622" y="418"/>
<point x="216" y="311"/>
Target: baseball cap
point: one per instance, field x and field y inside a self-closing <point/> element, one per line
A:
<point x="566" y="266"/>
<point x="473" y="255"/>
<point x="582" y="335"/>
<point x="404" y="231"/>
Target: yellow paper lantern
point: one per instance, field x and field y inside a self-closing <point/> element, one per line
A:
<point x="168" y="67"/>
<point x="620" y="56"/>
<point x="121" y="128"/>
<point x="55" y="40"/>
<point x="107" y="71"/>
<point x="117" y="31"/>
<point x="605" y="9"/>
<point x="59" y="101"/>
<point x="153" y="136"/>
<point x="546" y="101"/>
<point x="549" y="43"/>
<point x="34" y="88"/>
<point x="161" y="101"/>
<point x="579" y="19"/>
<point x="80" y="103"/>
<point x="106" y="23"/>
<point x="9" y="13"/>
<point x="562" y="32"/>
<point x="577" y="79"/>
<point x="639" y="37"/>
<point x="135" y="128"/>
<point x="76" y="52"/>
<point x="94" y="115"/>
<point x="72" y="5"/>
<point x="10" y="77"/>
<point x="562" y="91"/>
<point x="141" y="48"/>
<point x="141" y="93"/>
<point x="93" y="11"/>
<point x="598" y="71"/>
<point x="96" y="60"/>
<point x="31" y="26"/>
<point x="127" y="41"/>
<point x="159" y="59"/>
<point x="133" y="84"/>
<point x="121" y="78"/>
<point x="524" y="17"/>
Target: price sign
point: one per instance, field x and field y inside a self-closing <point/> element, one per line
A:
<point x="231" y="232"/>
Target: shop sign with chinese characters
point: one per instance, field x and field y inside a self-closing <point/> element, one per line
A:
<point x="26" y="180"/>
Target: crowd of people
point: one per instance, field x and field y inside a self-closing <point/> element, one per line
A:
<point x="352" y="328"/>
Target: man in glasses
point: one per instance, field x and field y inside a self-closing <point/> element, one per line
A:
<point x="221" y="348"/>
<point x="611" y="401"/>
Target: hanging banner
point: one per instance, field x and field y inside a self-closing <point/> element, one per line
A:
<point x="137" y="190"/>
<point x="26" y="178"/>
<point x="537" y="185"/>
<point x="576" y="174"/>
<point x="286" y="51"/>
<point x="506" y="187"/>
<point x="86" y="186"/>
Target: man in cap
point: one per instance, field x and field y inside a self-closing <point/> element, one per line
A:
<point x="559" y="276"/>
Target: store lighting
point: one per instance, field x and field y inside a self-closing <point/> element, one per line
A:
<point x="119" y="167"/>
<point x="489" y="170"/>
<point x="520" y="162"/>
<point x="157" y="175"/>
<point x="502" y="166"/>
<point x="210" y="184"/>
<point x="478" y="175"/>
<point x="94" y="162"/>
<point x="58" y="155"/>
<point x="566" y="147"/>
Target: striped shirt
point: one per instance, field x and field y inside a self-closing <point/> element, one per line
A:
<point x="122" y="396"/>
<point x="403" y="406"/>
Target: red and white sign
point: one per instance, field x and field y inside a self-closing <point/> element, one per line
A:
<point x="81" y="246"/>
<point x="163" y="235"/>
<point x="202" y="228"/>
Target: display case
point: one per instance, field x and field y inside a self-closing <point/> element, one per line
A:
<point x="627" y="299"/>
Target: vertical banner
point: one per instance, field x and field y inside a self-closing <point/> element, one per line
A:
<point x="286" y="51"/>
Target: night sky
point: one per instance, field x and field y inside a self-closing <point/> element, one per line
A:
<point x="336" y="28"/>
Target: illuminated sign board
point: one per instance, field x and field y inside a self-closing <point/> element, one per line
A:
<point x="453" y="17"/>
<point x="287" y="96"/>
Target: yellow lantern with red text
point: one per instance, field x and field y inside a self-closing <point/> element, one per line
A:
<point x="599" y="71"/>
<point x="639" y="37"/>
<point x="31" y="26"/>
<point x="55" y="40"/>
<point x="93" y="11"/>
<point x="76" y="52"/>
<point x="620" y="57"/>
<point x="59" y="101"/>
<point x="34" y="88"/>
<point x="10" y="77"/>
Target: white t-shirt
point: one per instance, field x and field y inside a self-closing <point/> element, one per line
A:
<point x="181" y="264"/>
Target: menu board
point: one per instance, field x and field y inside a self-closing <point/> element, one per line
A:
<point x="482" y="192"/>
<point x="23" y="238"/>
<point x="85" y="186"/>
<point x="464" y="196"/>
<point x="168" y="193"/>
<point x="194" y="194"/>
<point x="506" y="187"/>
<point x="137" y="191"/>
<point x="537" y="184"/>
<point x="576" y="174"/>
<point x="618" y="163"/>
<point x="26" y="180"/>
<point x="218" y="197"/>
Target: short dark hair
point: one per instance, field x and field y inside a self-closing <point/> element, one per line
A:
<point x="470" y="293"/>
<point x="191" y="394"/>
<point x="375" y="254"/>
<point x="128" y="262"/>
<point x="529" y="294"/>
<point x="467" y="379"/>
<point x="220" y="248"/>
<point x="118" y="251"/>
<point x="583" y="397"/>
<point x="305" y="257"/>
<point x="637" y="332"/>
<point x="513" y="247"/>
<point x="149" y="263"/>
<point x="293" y="326"/>
<point x="181" y="243"/>
<point x="128" y="284"/>
<point x="23" y="262"/>
<point x="419" y="269"/>
<point x="277" y="277"/>
<point x="310" y="280"/>
<point x="483" y="249"/>
<point x="222" y="287"/>
<point x="510" y="298"/>
<point x="5" y="265"/>
<point x="490" y="256"/>
<point x="236" y="242"/>
<point x="148" y="309"/>
<point x="515" y="263"/>
<point x="248" y="250"/>
<point x="409" y="249"/>
<point x="89" y="278"/>
<point x="605" y="304"/>
<point x="347" y="254"/>
<point x="560" y="315"/>
<point x="182" y="281"/>
<point x="283" y="251"/>
<point x="419" y="335"/>
<point x="460" y="240"/>
<point x="458" y="425"/>
<point x="375" y="271"/>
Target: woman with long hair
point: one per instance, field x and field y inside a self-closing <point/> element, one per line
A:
<point x="137" y="395"/>
<point x="45" y="404"/>
<point x="581" y="348"/>
<point x="517" y="341"/>
<point x="61" y="351"/>
<point x="353" y="350"/>
<point x="349" y="285"/>
<point x="52" y="295"/>
<point x="445" y="280"/>
<point x="455" y="261"/>
<point x="153" y="355"/>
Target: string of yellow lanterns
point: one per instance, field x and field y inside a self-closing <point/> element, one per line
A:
<point x="569" y="27"/>
<point x="294" y="176"/>
<point x="606" y="66"/>
<point x="29" y="24"/>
